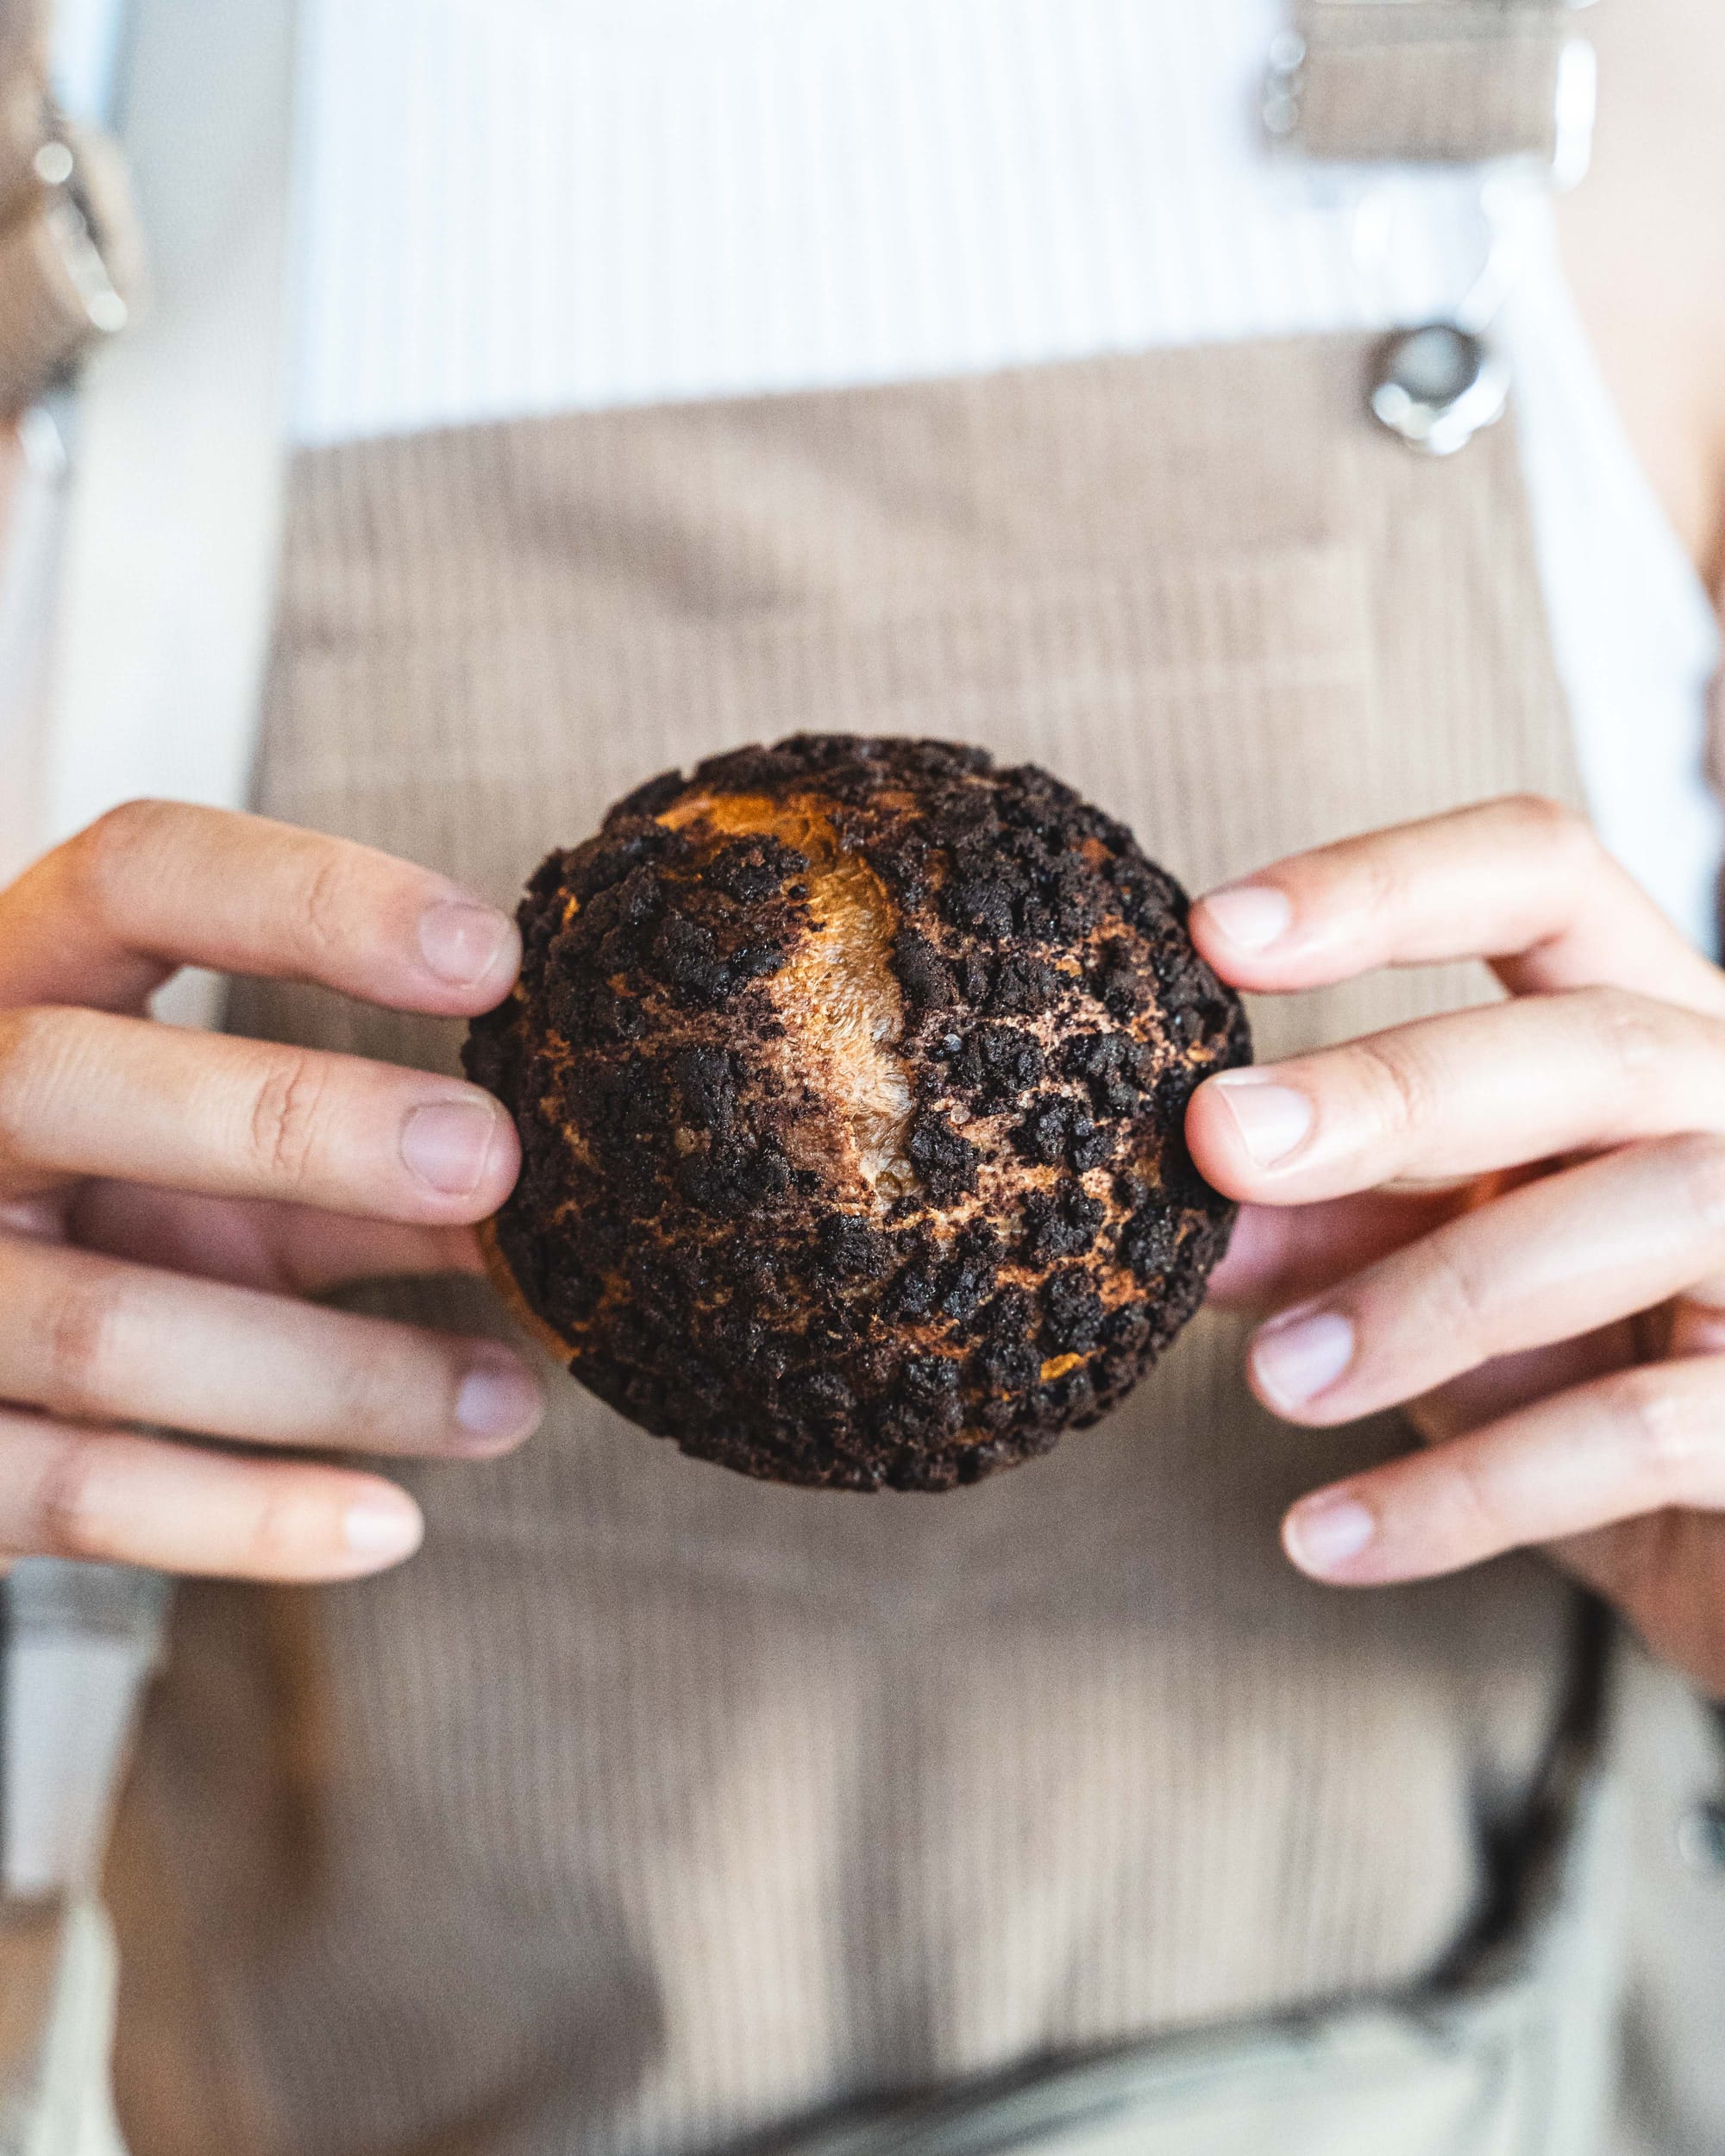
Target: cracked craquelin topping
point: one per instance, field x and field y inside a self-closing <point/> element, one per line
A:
<point x="850" y="1076"/>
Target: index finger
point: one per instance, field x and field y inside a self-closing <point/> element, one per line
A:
<point x="105" y="919"/>
<point x="1522" y="882"/>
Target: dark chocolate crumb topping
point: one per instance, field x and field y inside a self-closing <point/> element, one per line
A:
<point x="850" y="1077"/>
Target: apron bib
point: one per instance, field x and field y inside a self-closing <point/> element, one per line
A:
<point x="649" y="1807"/>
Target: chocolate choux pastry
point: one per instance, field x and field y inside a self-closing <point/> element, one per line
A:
<point x="850" y="1076"/>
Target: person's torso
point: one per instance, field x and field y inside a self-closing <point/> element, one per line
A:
<point x="649" y="1806"/>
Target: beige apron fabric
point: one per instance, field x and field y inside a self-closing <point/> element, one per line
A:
<point x="648" y="1806"/>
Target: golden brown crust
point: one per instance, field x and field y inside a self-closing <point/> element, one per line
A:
<point x="501" y="1275"/>
<point x="851" y="1078"/>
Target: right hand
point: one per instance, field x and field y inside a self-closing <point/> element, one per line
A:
<point x="168" y="1199"/>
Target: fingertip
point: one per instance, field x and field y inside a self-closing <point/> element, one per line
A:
<point x="381" y="1527"/>
<point x="1298" y="1357"/>
<point x="462" y="1154"/>
<point x="503" y="1164"/>
<point x="1238" y="927"/>
<point x="1213" y="1138"/>
<point x="469" y="950"/>
<point x="1328" y="1536"/>
<point x="498" y="1402"/>
<point x="505" y="968"/>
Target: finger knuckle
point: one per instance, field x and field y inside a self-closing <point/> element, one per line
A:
<point x="1553" y="826"/>
<point x="1398" y="1086"/>
<point x="1383" y="879"/>
<point x="78" y="1333"/>
<point x="1475" y="1516"/>
<point x="283" y="1124"/>
<point x="1457" y="1304"/>
<point x="1695" y="1161"/>
<point x="282" y="1532"/>
<point x="1633" y="1032"/>
<point x="32" y="1045"/>
<point x="381" y="1389"/>
<point x="107" y="854"/>
<point x="326" y="906"/>
<point x="65" y="1518"/>
<point x="1665" y="1441"/>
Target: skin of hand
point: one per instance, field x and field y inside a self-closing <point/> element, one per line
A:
<point x="1508" y="1221"/>
<point x="169" y="1201"/>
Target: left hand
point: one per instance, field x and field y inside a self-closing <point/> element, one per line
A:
<point x="1509" y="1221"/>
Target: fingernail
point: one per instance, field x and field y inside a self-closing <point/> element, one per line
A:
<point x="459" y="940"/>
<point x="1271" y="1119"/>
<point x="1250" y="915"/>
<point x="1293" y="1360"/>
<point x="1322" y="1533"/>
<point x="445" y="1144"/>
<point x="498" y="1402"/>
<point x="383" y="1527"/>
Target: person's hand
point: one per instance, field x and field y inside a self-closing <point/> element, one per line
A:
<point x="168" y="1198"/>
<point x="1510" y="1221"/>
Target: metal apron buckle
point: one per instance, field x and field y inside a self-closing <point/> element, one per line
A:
<point x="1439" y="383"/>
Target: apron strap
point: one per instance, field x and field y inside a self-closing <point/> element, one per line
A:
<point x="1443" y="81"/>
